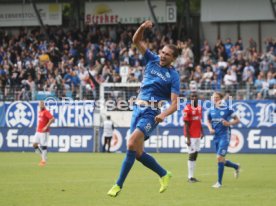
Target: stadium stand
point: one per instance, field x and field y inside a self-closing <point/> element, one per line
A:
<point x="74" y="63"/>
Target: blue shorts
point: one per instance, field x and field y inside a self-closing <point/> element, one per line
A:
<point x="143" y="119"/>
<point x="221" y="144"/>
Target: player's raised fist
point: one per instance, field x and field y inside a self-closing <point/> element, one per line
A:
<point x="147" y="24"/>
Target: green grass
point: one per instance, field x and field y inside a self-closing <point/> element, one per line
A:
<point x="84" y="179"/>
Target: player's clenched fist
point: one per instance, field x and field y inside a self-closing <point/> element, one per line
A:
<point x="147" y="24"/>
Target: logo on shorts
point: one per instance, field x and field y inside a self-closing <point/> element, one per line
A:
<point x="148" y="127"/>
<point x="20" y="114"/>
<point x="1" y="140"/>
<point x="223" y="152"/>
<point x="245" y="113"/>
<point x="116" y="141"/>
<point x="236" y="141"/>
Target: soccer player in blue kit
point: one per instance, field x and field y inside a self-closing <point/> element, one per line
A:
<point x="160" y="83"/>
<point x="219" y="124"/>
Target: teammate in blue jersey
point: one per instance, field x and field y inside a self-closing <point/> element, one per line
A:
<point x="160" y="83"/>
<point x="220" y="118"/>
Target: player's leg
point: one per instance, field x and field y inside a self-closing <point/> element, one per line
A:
<point x="193" y="152"/>
<point x="36" y="142"/>
<point x="221" y="153"/>
<point x="235" y="166"/>
<point x="149" y="162"/>
<point x="44" y="147"/>
<point x="105" y="141"/>
<point x="221" y="161"/>
<point x="146" y="159"/>
<point x="136" y="140"/>
<point x="130" y="154"/>
<point x="108" y="144"/>
<point x="147" y="125"/>
<point x="191" y="167"/>
<point x="228" y="163"/>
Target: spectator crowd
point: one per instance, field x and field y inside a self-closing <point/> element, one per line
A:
<point x="74" y="63"/>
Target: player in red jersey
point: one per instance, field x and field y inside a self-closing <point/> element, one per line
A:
<point x="193" y="132"/>
<point x="45" y="119"/>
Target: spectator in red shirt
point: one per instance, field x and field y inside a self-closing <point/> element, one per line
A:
<point x="45" y="119"/>
<point x="193" y="132"/>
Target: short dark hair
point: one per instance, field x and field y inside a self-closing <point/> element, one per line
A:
<point x="219" y="93"/>
<point x="174" y="49"/>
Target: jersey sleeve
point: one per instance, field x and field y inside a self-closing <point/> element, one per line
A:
<point x="175" y="83"/>
<point x="150" y="56"/>
<point x="187" y="114"/>
<point x="48" y="115"/>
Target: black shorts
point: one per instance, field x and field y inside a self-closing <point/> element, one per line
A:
<point x="107" y="138"/>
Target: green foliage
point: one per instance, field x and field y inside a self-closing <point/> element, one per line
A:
<point x="83" y="179"/>
<point x="194" y="6"/>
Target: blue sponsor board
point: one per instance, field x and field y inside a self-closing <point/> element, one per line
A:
<point x="171" y="139"/>
<point x="80" y="113"/>
<point x="60" y="139"/>
<point x="67" y="113"/>
<point x="261" y="113"/>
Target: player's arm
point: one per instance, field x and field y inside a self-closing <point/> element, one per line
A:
<point x="138" y="36"/>
<point x="172" y="108"/>
<point x="202" y="132"/>
<point x="188" y="135"/>
<point x="235" y="120"/>
<point x="209" y="124"/>
<point x="210" y="128"/>
<point x="49" y="123"/>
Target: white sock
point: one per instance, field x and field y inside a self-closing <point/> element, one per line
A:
<point x="44" y="155"/>
<point x="191" y="168"/>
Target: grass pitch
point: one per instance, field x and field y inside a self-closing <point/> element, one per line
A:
<point x="83" y="179"/>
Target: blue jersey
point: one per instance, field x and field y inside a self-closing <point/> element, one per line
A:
<point x="216" y="115"/>
<point x="158" y="82"/>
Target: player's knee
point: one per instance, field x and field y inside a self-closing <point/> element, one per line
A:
<point x="138" y="155"/>
<point x="193" y="156"/>
<point x="44" y="147"/>
<point x="221" y="158"/>
<point x="132" y="144"/>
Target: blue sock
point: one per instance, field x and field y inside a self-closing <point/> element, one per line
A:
<point x="126" y="166"/>
<point x="151" y="163"/>
<point x="228" y="163"/>
<point x="220" y="171"/>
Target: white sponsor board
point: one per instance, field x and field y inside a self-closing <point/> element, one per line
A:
<point x="128" y="12"/>
<point x="63" y="143"/>
<point x="24" y="15"/>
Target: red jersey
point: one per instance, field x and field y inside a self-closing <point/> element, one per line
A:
<point x="43" y="118"/>
<point x="193" y="115"/>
